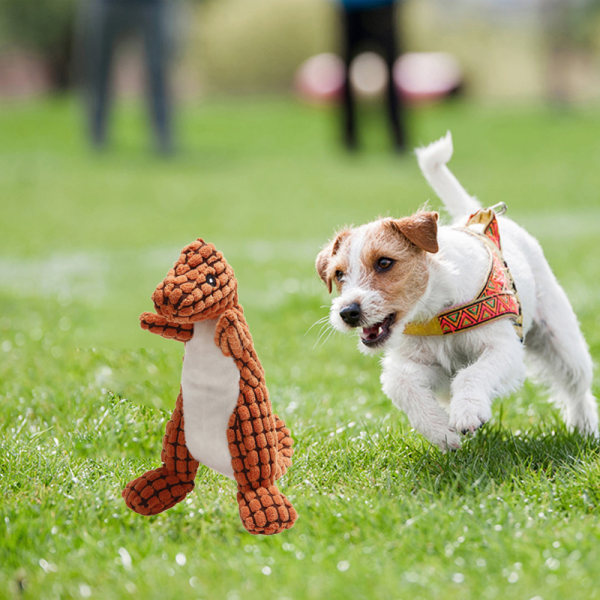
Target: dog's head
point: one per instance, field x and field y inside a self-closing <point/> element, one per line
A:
<point x="201" y="285"/>
<point x="380" y="271"/>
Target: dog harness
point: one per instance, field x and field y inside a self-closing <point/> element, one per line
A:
<point x="498" y="297"/>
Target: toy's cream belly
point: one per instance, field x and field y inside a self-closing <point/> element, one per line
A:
<point x="210" y="388"/>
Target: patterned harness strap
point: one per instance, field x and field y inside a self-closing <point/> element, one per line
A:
<point x="497" y="299"/>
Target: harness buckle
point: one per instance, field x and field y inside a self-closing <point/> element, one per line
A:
<point x="500" y="208"/>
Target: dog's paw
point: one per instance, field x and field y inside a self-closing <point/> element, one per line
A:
<point x="444" y="438"/>
<point x="468" y="415"/>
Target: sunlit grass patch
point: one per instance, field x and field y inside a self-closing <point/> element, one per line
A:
<point x="85" y="393"/>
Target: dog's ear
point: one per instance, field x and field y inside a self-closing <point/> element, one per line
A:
<point x="420" y="229"/>
<point x="325" y="256"/>
<point x="322" y="264"/>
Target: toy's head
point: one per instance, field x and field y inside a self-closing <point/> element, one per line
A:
<point x="200" y="286"/>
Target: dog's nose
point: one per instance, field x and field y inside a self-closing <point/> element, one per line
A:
<point x="351" y="314"/>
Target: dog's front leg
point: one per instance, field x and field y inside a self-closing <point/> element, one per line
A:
<point x="409" y="386"/>
<point x="498" y="371"/>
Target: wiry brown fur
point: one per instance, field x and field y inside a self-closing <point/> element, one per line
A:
<point x="405" y="282"/>
<point x="407" y="241"/>
<point x="323" y="266"/>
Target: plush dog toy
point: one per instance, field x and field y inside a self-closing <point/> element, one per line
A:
<point x="229" y="425"/>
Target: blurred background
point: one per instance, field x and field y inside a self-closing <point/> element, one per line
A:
<point x="507" y="49"/>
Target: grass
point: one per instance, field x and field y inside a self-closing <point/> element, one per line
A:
<point x="85" y="394"/>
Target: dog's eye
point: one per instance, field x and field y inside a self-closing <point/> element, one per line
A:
<point x="339" y="275"/>
<point x="384" y="263"/>
<point x="211" y="280"/>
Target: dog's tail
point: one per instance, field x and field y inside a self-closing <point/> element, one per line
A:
<point x="432" y="160"/>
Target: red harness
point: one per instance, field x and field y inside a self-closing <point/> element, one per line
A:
<point x="497" y="299"/>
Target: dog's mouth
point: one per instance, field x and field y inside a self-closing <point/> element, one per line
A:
<point x="377" y="334"/>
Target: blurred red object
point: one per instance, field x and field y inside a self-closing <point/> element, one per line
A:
<point x="320" y="78"/>
<point x="418" y="76"/>
<point x="425" y="76"/>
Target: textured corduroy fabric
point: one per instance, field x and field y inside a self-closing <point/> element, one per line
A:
<point x="200" y="286"/>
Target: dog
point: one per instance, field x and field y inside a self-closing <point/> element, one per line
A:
<point x="402" y="281"/>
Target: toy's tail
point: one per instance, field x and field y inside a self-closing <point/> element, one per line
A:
<point x="432" y="161"/>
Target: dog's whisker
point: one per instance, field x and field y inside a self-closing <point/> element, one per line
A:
<point x="320" y="321"/>
<point x="325" y="333"/>
<point x="323" y="330"/>
<point x="331" y="331"/>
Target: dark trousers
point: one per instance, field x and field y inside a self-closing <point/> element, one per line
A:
<point x="107" y="22"/>
<point x="374" y="28"/>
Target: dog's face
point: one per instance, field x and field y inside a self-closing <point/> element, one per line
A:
<point x="380" y="271"/>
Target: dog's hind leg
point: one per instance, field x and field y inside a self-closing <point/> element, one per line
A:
<point x="559" y="354"/>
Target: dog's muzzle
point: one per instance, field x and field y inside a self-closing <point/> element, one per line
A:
<point x="351" y="314"/>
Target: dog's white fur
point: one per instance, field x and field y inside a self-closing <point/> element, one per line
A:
<point x="446" y="384"/>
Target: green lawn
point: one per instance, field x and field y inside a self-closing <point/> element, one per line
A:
<point x="85" y="393"/>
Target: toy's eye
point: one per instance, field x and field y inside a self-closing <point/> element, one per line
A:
<point x="384" y="264"/>
<point x="211" y="280"/>
<point x="339" y="275"/>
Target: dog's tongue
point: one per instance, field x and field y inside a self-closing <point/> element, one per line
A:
<point x="370" y="333"/>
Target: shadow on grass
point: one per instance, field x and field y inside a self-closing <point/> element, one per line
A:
<point x="562" y="464"/>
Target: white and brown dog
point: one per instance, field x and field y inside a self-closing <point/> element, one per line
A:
<point x="407" y="286"/>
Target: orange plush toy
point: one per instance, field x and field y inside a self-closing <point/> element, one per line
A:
<point x="223" y="417"/>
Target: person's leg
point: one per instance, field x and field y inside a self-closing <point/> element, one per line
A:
<point x="351" y="38"/>
<point x="394" y="102"/>
<point x="155" y="44"/>
<point x="102" y="27"/>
